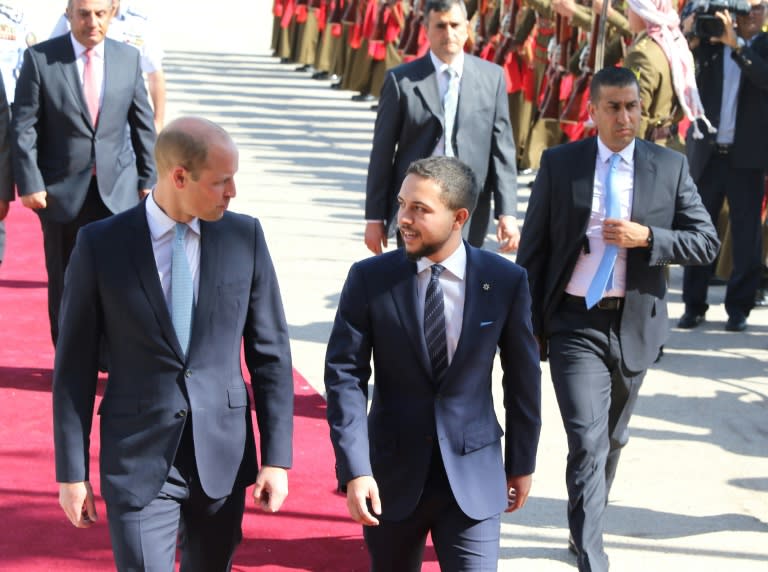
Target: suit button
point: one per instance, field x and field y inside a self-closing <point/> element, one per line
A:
<point x="181" y="413"/>
<point x="188" y="373"/>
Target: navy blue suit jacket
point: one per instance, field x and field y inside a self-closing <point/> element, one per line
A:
<point x="409" y="414"/>
<point x="112" y="289"/>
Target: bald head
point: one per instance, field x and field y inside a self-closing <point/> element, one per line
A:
<point x="196" y="163"/>
<point x="185" y="142"/>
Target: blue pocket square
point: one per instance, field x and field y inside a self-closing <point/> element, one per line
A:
<point x="483" y="324"/>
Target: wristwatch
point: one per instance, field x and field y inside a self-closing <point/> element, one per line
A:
<point x="649" y="240"/>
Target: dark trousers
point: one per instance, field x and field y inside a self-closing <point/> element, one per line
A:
<point x="207" y="530"/>
<point x="461" y="543"/>
<point x="58" y="242"/>
<point x="476" y="228"/>
<point x="744" y="189"/>
<point x="596" y="395"/>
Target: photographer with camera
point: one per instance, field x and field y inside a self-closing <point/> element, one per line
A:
<point x="731" y="56"/>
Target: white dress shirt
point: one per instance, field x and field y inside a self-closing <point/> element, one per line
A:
<point x="729" y="105"/>
<point x="623" y="182"/>
<point x="454" y="290"/>
<point x="442" y="86"/>
<point x="162" y="229"/>
<point x="98" y="64"/>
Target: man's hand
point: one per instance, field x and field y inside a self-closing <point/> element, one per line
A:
<point x="359" y="490"/>
<point x="375" y="236"/>
<point x="35" y="201"/>
<point x="77" y="501"/>
<point x="271" y="488"/>
<point x="508" y="234"/>
<point x="4" y="206"/>
<point x="729" y="35"/>
<point x="564" y="7"/>
<point x="625" y="233"/>
<point x="518" y="489"/>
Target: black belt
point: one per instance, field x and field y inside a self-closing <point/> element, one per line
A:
<point x="611" y="303"/>
<point x="723" y="149"/>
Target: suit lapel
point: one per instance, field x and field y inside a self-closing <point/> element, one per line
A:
<point x="211" y="255"/>
<point x="404" y="294"/>
<point x="644" y="180"/>
<point x="582" y="187"/>
<point x="426" y="87"/>
<point x="476" y="286"/>
<point x="146" y="268"/>
<point x="71" y="75"/>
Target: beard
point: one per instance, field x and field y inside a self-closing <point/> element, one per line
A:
<point x="427" y="249"/>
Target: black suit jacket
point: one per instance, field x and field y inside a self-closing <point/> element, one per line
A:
<point x="55" y="143"/>
<point x="410" y="123"/>
<point x="751" y="136"/>
<point x="409" y="413"/>
<point x="112" y="289"/>
<point x="554" y="232"/>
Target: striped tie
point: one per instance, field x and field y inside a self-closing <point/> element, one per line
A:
<point x="603" y="278"/>
<point x="434" y="325"/>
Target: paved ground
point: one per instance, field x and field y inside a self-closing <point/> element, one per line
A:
<point x="692" y="489"/>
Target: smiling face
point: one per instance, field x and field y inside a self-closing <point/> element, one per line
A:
<point x="89" y="20"/>
<point x="447" y="33"/>
<point x="616" y="113"/>
<point x="428" y="226"/>
<point x="749" y="25"/>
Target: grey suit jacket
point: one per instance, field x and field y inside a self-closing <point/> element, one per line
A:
<point x="112" y="289"/>
<point x="55" y="143"/>
<point x="554" y="233"/>
<point x="410" y="122"/>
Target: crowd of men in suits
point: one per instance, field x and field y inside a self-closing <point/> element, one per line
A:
<point x="167" y="314"/>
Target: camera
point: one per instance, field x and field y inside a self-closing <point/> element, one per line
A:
<point x="707" y="25"/>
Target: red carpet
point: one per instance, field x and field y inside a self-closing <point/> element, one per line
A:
<point x="312" y="531"/>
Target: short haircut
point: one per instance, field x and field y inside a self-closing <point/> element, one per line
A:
<point x="70" y="2"/>
<point x="443" y="6"/>
<point x="458" y="187"/>
<point x="187" y="146"/>
<point x="612" y="77"/>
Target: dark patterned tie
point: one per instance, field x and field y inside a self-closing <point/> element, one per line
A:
<point x="434" y="325"/>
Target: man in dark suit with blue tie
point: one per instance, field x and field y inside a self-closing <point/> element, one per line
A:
<point x="444" y="103"/>
<point x="428" y="456"/>
<point x="76" y="98"/>
<point x="606" y="215"/>
<point x="176" y="286"/>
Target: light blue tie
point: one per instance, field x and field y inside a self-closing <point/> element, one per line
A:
<point x="604" y="276"/>
<point x="182" y="289"/>
<point x="450" y="104"/>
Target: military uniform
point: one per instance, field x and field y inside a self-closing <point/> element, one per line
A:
<point x="660" y="110"/>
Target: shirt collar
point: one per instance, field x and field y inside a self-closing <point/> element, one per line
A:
<point x="440" y="65"/>
<point x="604" y="154"/>
<point x="160" y="223"/>
<point x="456" y="263"/>
<point x="79" y="48"/>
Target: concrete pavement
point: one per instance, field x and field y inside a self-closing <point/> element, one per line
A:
<point x="692" y="488"/>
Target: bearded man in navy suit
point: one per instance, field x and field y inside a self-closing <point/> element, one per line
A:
<point x="188" y="286"/>
<point x="428" y="457"/>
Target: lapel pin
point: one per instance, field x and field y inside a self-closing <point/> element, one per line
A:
<point x="486" y="286"/>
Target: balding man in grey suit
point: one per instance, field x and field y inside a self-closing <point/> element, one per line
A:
<point x="76" y="97"/>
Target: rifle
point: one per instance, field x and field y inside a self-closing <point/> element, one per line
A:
<point x="572" y="111"/>
<point x="481" y="28"/>
<point x="550" y="108"/>
<point x="411" y="47"/>
<point x="350" y="12"/>
<point x="405" y="34"/>
<point x="508" y="24"/>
